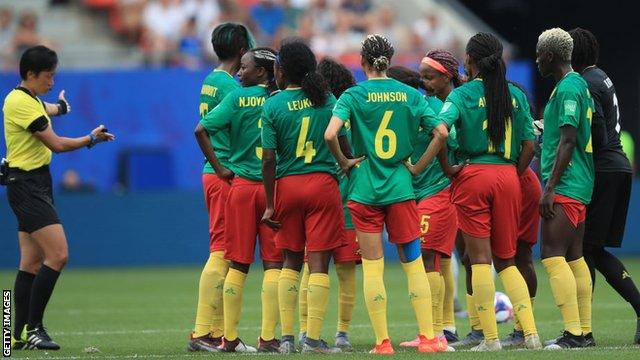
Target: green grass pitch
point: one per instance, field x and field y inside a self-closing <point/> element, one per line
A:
<point x="146" y="313"/>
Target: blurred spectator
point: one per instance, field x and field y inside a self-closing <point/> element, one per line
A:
<point x="292" y="14"/>
<point x="126" y="18"/>
<point x="71" y="183"/>
<point x="340" y="42"/>
<point x="206" y="13"/>
<point x="162" y="20"/>
<point x="387" y="25"/>
<point x="433" y="35"/>
<point x="190" y="45"/>
<point x="270" y="17"/>
<point x="6" y="37"/>
<point x="26" y="35"/>
<point x="323" y="17"/>
<point x="360" y="11"/>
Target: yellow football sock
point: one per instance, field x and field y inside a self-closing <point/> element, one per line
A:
<point x="563" y="287"/>
<point x="233" y="289"/>
<point x="318" y="297"/>
<point x="434" y="287"/>
<point x="583" y="286"/>
<point x="420" y="295"/>
<point x="484" y="291"/>
<point x="474" y="320"/>
<point x="439" y="315"/>
<point x="287" y="298"/>
<point x="302" y="298"/>
<point x="516" y="325"/>
<point x="375" y="296"/>
<point x="209" y="314"/>
<point x="270" y="309"/>
<point x="346" y="293"/>
<point x="518" y="292"/>
<point x="448" y="316"/>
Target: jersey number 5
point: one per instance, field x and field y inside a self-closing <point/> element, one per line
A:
<point x="305" y="148"/>
<point x="385" y="132"/>
<point x="589" y="148"/>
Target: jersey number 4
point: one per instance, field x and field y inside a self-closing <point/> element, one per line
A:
<point x="305" y="148"/>
<point x="382" y="133"/>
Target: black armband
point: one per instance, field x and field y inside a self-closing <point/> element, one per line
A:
<point x="39" y="124"/>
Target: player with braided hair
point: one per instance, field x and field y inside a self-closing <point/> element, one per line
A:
<point x="487" y="191"/>
<point x="308" y="206"/>
<point x="385" y="116"/>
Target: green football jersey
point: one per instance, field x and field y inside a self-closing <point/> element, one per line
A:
<point x="215" y="87"/>
<point x="570" y="104"/>
<point x="433" y="179"/>
<point x="385" y="117"/>
<point x="465" y="107"/>
<point x="239" y="115"/>
<point x="295" y="129"/>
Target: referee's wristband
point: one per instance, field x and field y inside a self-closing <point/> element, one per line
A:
<point x="62" y="107"/>
<point x="92" y="141"/>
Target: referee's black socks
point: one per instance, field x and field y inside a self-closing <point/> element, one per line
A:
<point x="21" y="296"/>
<point x="41" y="290"/>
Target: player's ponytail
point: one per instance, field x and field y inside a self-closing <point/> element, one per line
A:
<point x="486" y="51"/>
<point x="299" y="64"/>
<point x="377" y="51"/>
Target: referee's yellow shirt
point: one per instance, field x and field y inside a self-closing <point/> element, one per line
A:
<point x="22" y="112"/>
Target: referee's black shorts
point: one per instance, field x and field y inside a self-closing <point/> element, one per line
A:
<point x="30" y="195"/>
<point x="607" y="212"/>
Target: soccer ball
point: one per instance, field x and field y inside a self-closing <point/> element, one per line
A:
<point x="503" y="307"/>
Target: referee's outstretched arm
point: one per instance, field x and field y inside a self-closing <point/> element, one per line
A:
<point x="60" y="144"/>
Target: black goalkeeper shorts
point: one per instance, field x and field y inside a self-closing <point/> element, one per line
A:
<point x="607" y="212"/>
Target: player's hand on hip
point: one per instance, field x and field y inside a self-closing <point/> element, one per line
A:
<point x="267" y="218"/>
<point x="225" y="174"/>
<point x="345" y="168"/>
<point x="546" y="204"/>
<point x="412" y="168"/>
<point x="102" y="135"/>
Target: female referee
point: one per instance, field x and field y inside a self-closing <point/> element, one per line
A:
<point x="239" y="115"/>
<point x="567" y="170"/>
<point x="30" y="142"/>
<point x="230" y="41"/>
<point x="345" y="257"/>
<point x="385" y="116"/>
<point x="487" y="191"/>
<point x="308" y="208"/>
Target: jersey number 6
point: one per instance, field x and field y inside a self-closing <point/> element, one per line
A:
<point x="385" y="132"/>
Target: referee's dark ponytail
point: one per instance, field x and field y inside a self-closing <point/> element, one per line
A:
<point x="299" y="64"/>
<point x="486" y="51"/>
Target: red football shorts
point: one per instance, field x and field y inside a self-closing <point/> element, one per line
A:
<point x="488" y="198"/>
<point x="401" y="220"/>
<point x="215" y="197"/>
<point x="574" y="209"/>
<point x="245" y="206"/>
<point x="349" y="251"/>
<point x="309" y="207"/>
<point x="438" y="222"/>
<point x="530" y="212"/>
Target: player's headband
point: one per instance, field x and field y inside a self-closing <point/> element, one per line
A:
<point x="435" y="64"/>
